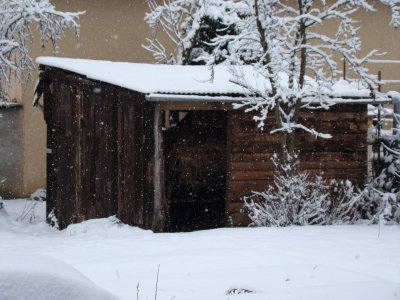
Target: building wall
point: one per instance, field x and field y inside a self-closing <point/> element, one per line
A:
<point x="10" y="152"/>
<point x="376" y="33"/>
<point x="115" y="30"/>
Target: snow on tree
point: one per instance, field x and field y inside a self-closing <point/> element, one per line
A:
<point x="382" y="195"/>
<point x="282" y="41"/>
<point x="290" y="45"/>
<point x="190" y="26"/>
<point x="291" y="200"/>
<point x="16" y="18"/>
<point x="304" y="200"/>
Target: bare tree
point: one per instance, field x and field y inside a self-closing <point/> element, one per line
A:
<point x="282" y="41"/>
<point x="16" y="18"/>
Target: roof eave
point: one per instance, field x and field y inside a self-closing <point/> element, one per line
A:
<point x="159" y="97"/>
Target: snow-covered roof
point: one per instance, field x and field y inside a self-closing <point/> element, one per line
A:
<point x="175" y="79"/>
<point x="150" y="78"/>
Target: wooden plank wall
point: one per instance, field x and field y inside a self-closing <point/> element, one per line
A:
<point x="96" y="139"/>
<point x="250" y="151"/>
<point x="130" y="161"/>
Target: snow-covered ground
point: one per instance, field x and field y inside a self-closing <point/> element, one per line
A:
<point x="314" y="262"/>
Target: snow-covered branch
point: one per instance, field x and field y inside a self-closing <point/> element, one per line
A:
<point x="280" y="39"/>
<point x="16" y="18"/>
<point x="189" y="26"/>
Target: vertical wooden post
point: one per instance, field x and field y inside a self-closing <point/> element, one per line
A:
<point x="344" y="69"/>
<point x="174" y="117"/>
<point x="228" y="220"/>
<point x="379" y="124"/>
<point x="77" y="115"/>
<point x="51" y="178"/>
<point x="396" y="110"/>
<point x="159" y="215"/>
<point x="380" y="78"/>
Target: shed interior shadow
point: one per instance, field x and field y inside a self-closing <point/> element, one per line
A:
<point x="195" y="156"/>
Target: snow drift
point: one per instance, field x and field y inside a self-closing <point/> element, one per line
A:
<point x="43" y="277"/>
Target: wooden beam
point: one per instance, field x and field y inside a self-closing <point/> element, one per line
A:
<point x="229" y="133"/>
<point x="194" y="106"/>
<point x="159" y="216"/>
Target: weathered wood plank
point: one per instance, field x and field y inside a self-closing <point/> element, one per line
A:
<point x="267" y="175"/>
<point x="51" y="178"/>
<point x="89" y="146"/>
<point x="301" y="138"/>
<point x="316" y="146"/>
<point x="303" y="156"/>
<point x="148" y="162"/>
<point x="239" y="219"/>
<point x="130" y="122"/>
<point x="324" y="127"/>
<point x="229" y="137"/>
<point x="307" y="116"/>
<point x="138" y="162"/>
<point x="160" y="206"/>
<point x="73" y="136"/>
<point x="305" y="165"/>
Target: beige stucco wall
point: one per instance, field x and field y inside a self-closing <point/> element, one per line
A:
<point x="376" y="33"/>
<point x="10" y="151"/>
<point x="110" y="30"/>
<point x="115" y="30"/>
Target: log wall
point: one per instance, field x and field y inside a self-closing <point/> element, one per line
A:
<point x="250" y="168"/>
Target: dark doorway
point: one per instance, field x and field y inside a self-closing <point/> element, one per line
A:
<point x="195" y="169"/>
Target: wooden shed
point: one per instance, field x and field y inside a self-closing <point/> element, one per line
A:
<point x="161" y="147"/>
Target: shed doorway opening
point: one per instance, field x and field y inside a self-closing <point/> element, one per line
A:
<point x="195" y="157"/>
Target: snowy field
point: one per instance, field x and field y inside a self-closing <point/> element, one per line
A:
<point x="314" y="262"/>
